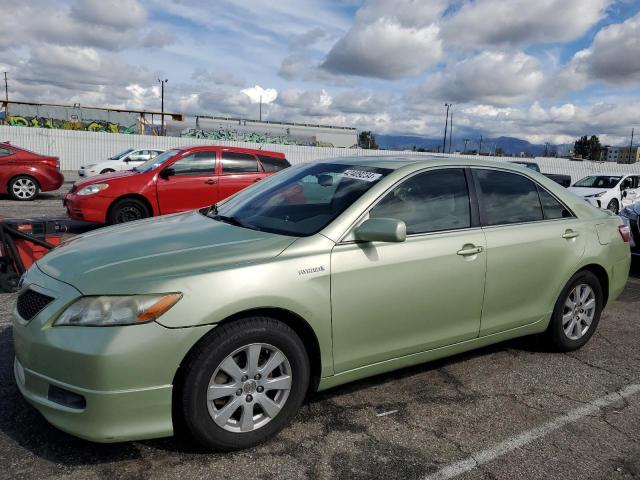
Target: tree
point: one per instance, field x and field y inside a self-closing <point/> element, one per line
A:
<point x="587" y="148"/>
<point x="499" y="152"/>
<point x="368" y="140"/>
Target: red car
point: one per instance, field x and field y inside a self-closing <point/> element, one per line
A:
<point x="24" y="174"/>
<point x="175" y="181"/>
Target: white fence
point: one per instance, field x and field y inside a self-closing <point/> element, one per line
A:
<point x="80" y="148"/>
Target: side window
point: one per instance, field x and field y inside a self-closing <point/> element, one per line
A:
<point x="199" y="163"/>
<point x="551" y="207"/>
<point x="235" y="162"/>
<point x="273" y="164"/>
<point x="428" y="202"/>
<point x="508" y="197"/>
<point x="5" y="152"/>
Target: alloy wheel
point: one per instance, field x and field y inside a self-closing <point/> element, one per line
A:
<point x="249" y="388"/>
<point x="579" y="311"/>
<point x="24" y="188"/>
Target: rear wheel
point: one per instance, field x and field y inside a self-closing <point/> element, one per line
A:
<point x="127" y="210"/>
<point x="576" y="313"/>
<point x="613" y="206"/>
<point x="24" y="188"/>
<point x="243" y="383"/>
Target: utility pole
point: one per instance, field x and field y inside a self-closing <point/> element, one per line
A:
<point x="630" y="143"/>
<point x="480" y="147"/>
<point x="466" y="140"/>
<point x="6" y="99"/>
<point x="450" y="130"/>
<point x="546" y="148"/>
<point x="446" y="124"/>
<point x="162" y="82"/>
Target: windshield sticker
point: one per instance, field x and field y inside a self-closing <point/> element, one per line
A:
<point x="362" y="175"/>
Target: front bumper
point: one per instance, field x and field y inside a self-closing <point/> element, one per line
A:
<point x="88" y="208"/>
<point x="104" y="384"/>
<point x="594" y="201"/>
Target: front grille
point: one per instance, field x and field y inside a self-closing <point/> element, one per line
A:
<point x="30" y="303"/>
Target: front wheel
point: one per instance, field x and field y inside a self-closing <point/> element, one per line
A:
<point x="613" y="206"/>
<point x="24" y="188"/>
<point x="107" y="170"/>
<point x="577" y="312"/>
<point x="127" y="210"/>
<point x="243" y="383"/>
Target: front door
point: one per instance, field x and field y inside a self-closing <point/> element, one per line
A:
<point x="630" y="190"/>
<point x="193" y="185"/>
<point x="394" y="299"/>
<point x="238" y="170"/>
<point x="533" y="244"/>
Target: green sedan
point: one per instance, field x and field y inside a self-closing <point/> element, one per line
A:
<point x="220" y="322"/>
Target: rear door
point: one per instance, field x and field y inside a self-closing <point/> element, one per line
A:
<point x="194" y="184"/>
<point x="533" y="242"/>
<point x="238" y="170"/>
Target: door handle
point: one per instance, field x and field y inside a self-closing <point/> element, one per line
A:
<point x="569" y="234"/>
<point x="469" y="250"/>
<point x="210" y="182"/>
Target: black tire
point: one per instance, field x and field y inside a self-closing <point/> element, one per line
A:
<point x="107" y="170"/>
<point x="614" y="206"/>
<point x="207" y="356"/>
<point x="127" y="210"/>
<point x="555" y="334"/>
<point x="20" y="194"/>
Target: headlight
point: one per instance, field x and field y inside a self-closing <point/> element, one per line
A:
<point x="597" y="194"/>
<point x="91" y="189"/>
<point x="90" y="165"/>
<point x="107" y="311"/>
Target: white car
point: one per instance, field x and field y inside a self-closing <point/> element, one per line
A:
<point x="612" y="192"/>
<point x="122" y="161"/>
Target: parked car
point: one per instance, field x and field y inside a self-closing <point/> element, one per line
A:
<point x="175" y="181"/>
<point x="631" y="216"/>
<point x="223" y="320"/>
<point x="608" y="191"/>
<point x="24" y="174"/>
<point x="564" y="180"/>
<point x="125" y="160"/>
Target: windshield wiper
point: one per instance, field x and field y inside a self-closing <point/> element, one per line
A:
<point x="234" y="221"/>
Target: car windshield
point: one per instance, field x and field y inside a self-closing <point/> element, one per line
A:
<point x="299" y="201"/>
<point x="121" y="154"/>
<point x="156" y="161"/>
<point x="598" y="181"/>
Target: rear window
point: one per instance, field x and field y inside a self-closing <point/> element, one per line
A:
<point x="273" y="164"/>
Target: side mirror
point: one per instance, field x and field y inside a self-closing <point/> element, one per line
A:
<point x="167" y="172"/>
<point x="381" y="230"/>
<point x="624" y="194"/>
<point x="325" y="180"/>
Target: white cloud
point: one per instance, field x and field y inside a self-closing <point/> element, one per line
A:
<point x="389" y="40"/>
<point x="521" y="22"/>
<point x="258" y="94"/>
<point x="498" y="78"/>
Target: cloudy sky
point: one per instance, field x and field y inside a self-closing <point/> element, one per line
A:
<point x="544" y="70"/>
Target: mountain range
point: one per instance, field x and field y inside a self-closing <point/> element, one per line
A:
<point x="510" y="145"/>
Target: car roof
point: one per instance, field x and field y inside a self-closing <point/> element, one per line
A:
<point x="254" y="151"/>
<point x="395" y="162"/>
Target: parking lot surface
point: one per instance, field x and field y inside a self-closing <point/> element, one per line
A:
<point x="508" y="411"/>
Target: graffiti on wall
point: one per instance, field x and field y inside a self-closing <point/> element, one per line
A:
<point x="237" y="136"/>
<point x="72" y="124"/>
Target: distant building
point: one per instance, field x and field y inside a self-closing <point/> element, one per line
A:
<point x="621" y="154"/>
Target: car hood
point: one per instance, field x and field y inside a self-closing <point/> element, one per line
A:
<point x="127" y="258"/>
<point x="105" y="177"/>
<point x="583" y="192"/>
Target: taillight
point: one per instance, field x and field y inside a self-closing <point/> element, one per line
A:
<point x="53" y="162"/>
<point x="625" y="232"/>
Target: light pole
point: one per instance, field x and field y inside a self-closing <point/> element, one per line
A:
<point x="446" y="124"/>
<point x="466" y="140"/>
<point x="162" y="82"/>
<point x="450" y="130"/>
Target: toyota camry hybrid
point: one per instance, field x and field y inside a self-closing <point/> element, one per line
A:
<point x="219" y="322"/>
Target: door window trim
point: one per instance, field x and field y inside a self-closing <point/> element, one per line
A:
<point x="473" y="210"/>
<point x="483" y="221"/>
<point x="258" y="164"/>
<point x="213" y="172"/>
